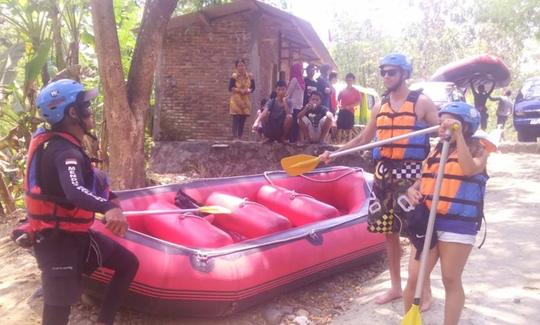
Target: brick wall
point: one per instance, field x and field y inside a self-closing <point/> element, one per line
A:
<point x="193" y="75"/>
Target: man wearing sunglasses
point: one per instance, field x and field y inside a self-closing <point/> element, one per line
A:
<point x="62" y="193"/>
<point x="398" y="164"/>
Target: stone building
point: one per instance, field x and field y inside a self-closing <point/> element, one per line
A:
<point x="198" y="56"/>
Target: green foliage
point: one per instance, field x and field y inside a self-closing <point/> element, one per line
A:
<point x="128" y="15"/>
<point x="188" y="6"/>
<point x="28" y="33"/>
<point x="36" y="63"/>
<point x="445" y="31"/>
<point x="8" y="63"/>
<point x="358" y="47"/>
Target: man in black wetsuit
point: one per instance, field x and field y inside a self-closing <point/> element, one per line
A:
<point x="480" y="99"/>
<point x="63" y="191"/>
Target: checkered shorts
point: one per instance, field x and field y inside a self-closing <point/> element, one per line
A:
<point x="392" y="179"/>
<point x="408" y="170"/>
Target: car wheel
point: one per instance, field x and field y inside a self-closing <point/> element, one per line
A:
<point x="524" y="136"/>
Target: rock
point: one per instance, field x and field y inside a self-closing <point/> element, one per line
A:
<point x="37" y="294"/>
<point x="315" y="310"/>
<point x="302" y="312"/>
<point x="290" y="317"/>
<point x="84" y="322"/>
<point x="517" y="300"/>
<point x="301" y="320"/>
<point x="287" y="309"/>
<point x="87" y="300"/>
<point x="272" y="315"/>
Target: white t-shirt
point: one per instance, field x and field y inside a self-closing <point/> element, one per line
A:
<point x="296" y="94"/>
<point x="505" y="106"/>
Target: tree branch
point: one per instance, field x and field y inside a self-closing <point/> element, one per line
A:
<point x="149" y="41"/>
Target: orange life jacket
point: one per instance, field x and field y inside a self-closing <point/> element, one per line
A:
<point x="391" y="123"/>
<point x="461" y="199"/>
<point x="46" y="211"/>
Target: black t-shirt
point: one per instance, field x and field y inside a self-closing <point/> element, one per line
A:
<point x="315" y="115"/>
<point x="311" y="86"/>
<point x="65" y="171"/>
<point x="322" y="84"/>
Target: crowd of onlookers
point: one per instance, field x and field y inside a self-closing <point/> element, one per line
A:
<point x="308" y="110"/>
<point x="303" y="110"/>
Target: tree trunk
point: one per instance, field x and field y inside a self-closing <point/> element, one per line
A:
<point x="126" y="107"/>
<point x="57" y="36"/>
<point x="6" y="197"/>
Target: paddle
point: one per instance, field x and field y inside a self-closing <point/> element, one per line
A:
<point x="212" y="209"/>
<point x="413" y="316"/>
<point x="299" y="164"/>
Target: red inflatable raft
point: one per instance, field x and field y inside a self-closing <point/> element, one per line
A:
<point x="283" y="232"/>
<point x="480" y="69"/>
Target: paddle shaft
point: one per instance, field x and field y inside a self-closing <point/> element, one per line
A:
<point x="385" y="141"/>
<point x="431" y="221"/>
<point x="169" y="211"/>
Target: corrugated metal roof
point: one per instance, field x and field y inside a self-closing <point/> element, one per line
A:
<point x="303" y="32"/>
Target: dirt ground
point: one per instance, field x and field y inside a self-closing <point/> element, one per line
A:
<point x="501" y="280"/>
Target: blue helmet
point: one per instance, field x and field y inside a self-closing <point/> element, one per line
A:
<point x="54" y="98"/>
<point x="399" y="60"/>
<point x="465" y="113"/>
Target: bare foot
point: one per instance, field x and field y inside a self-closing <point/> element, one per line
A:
<point x="426" y="302"/>
<point x="388" y="296"/>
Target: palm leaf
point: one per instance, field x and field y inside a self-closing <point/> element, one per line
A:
<point x="33" y="67"/>
<point x="8" y="65"/>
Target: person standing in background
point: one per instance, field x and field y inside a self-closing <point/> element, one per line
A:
<point x="348" y="99"/>
<point x="504" y="108"/>
<point x="295" y="92"/>
<point x="241" y="85"/>
<point x="480" y="99"/>
<point x="309" y="82"/>
<point x="333" y="78"/>
<point x="323" y="85"/>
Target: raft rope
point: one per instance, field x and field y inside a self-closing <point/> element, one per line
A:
<point x="350" y="170"/>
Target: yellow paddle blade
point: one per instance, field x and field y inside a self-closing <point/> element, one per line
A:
<point x="299" y="164"/>
<point x="412" y="317"/>
<point x="214" y="209"/>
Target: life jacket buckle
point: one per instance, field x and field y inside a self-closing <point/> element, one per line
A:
<point x="404" y="203"/>
<point x="374" y="207"/>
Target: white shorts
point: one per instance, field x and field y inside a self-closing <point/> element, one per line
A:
<point x="314" y="132"/>
<point x="452" y="237"/>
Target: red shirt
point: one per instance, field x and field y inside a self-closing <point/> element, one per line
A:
<point x="349" y="97"/>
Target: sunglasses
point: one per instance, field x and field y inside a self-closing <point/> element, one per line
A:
<point x="84" y="109"/>
<point x="390" y="73"/>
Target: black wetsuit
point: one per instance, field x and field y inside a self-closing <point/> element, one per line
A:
<point x="65" y="171"/>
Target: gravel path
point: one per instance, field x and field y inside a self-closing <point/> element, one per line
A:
<point x="502" y="279"/>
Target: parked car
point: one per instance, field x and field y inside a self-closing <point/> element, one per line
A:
<point x="527" y="111"/>
<point x="440" y="92"/>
